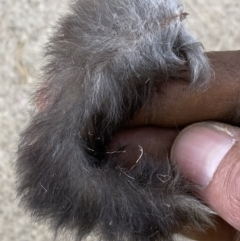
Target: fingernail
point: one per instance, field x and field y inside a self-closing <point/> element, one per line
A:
<point x="199" y="150"/>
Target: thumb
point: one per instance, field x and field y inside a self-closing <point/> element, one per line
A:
<point x="209" y="155"/>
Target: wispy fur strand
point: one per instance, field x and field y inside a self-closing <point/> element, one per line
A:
<point x="103" y="61"/>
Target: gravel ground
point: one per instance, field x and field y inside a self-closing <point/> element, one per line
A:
<point x="24" y="27"/>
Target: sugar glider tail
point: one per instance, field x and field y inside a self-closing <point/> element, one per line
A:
<point x="103" y="61"/>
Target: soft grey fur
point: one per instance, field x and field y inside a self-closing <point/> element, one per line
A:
<point x="103" y="62"/>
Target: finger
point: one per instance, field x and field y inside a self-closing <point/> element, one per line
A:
<point x="222" y="231"/>
<point x="209" y="155"/>
<point x="135" y="142"/>
<point x="176" y="103"/>
<point x="157" y="142"/>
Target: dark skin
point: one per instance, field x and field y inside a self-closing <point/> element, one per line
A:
<point x="176" y="105"/>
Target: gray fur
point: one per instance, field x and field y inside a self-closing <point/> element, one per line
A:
<point x="103" y="62"/>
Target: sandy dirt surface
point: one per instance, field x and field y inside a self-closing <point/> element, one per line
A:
<point x="24" y="27"/>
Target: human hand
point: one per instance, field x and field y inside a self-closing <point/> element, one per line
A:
<point x="176" y="104"/>
<point x="208" y="154"/>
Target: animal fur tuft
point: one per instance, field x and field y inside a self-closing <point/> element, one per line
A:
<point x="103" y="62"/>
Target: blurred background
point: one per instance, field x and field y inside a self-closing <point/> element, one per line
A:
<point x="24" y="27"/>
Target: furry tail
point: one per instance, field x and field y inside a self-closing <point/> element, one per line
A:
<point x="103" y="62"/>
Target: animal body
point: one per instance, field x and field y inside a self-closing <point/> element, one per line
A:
<point x="103" y="62"/>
